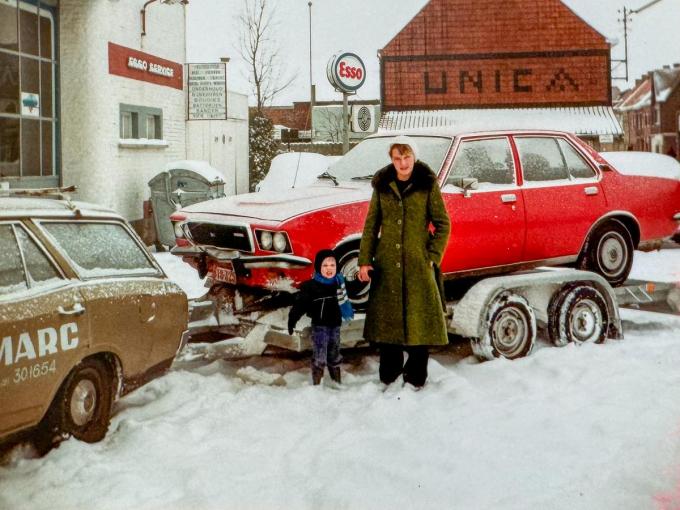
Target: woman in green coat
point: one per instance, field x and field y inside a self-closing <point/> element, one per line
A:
<point x="398" y="255"/>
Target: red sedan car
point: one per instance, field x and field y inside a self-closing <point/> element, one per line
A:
<point x="517" y="200"/>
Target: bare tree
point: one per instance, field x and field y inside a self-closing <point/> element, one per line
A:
<point x="330" y="124"/>
<point x="258" y="47"/>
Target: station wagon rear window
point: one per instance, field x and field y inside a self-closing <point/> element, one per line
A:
<point x="100" y="249"/>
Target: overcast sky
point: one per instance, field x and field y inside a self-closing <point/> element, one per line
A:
<point x="365" y="26"/>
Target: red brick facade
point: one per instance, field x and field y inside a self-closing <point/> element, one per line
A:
<point x="293" y="117"/>
<point x="457" y="54"/>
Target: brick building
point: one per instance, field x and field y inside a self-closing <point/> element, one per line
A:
<point x="528" y="60"/>
<point x="652" y="112"/>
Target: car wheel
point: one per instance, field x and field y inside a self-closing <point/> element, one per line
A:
<point x="510" y="329"/>
<point x="82" y="406"/>
<point x="609" y="252"/>
<point x="578" y="313"/>
<point x="348" y="266"/>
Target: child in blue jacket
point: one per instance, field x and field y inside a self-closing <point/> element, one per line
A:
<point x="324" y="299"/>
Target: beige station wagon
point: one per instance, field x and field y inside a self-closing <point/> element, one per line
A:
<point x="86" y="315"/>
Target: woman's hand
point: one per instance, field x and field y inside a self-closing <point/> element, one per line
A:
<point x="363" y="273"/>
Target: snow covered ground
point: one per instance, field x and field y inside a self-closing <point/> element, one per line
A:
<point x="590" y="427"/>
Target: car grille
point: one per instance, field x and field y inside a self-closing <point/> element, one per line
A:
<point x="233" y="237"/>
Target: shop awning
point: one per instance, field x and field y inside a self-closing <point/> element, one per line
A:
<point x="583" y="121"/>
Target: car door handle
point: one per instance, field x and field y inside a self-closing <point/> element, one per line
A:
<point x="77" y="309"/>
<point x="509" y="198"/>
<point x="591" y="190"/>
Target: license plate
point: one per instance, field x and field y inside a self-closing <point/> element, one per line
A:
<point x="225" y="274"/>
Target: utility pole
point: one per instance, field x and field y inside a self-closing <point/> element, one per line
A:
<point x="625" y="19"/>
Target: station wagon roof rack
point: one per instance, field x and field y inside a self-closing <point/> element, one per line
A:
<point x="62" y="193"/>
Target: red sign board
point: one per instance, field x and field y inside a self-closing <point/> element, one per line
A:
<point x="496" y="80"/>
<point x="142" y="66"/>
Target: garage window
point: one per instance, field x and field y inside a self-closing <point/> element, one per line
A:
<point x="137" y="122"/>
<point x="101" y="249"/>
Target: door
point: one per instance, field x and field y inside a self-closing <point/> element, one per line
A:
<point x="562" y="196"/>
<point x="44" y="327"/>
<point x="487" y="223"/>
<point x="122" y="287"/>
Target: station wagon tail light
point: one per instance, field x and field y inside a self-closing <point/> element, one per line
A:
<point x="273" y="241"/>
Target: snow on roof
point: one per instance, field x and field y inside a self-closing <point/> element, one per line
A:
<point x="594" y="120"/>
<point x="665" y="82"/>
<point x="203" y="168"/>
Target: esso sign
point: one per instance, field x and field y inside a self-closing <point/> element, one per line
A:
<point x="346" y="72"/>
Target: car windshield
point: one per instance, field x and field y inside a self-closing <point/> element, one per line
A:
<point x="372" y="154"/>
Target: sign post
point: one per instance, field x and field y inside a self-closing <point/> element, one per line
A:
<point x="346" y="73"/>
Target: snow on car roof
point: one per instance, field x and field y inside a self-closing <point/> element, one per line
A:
<point x="15" y="206"/>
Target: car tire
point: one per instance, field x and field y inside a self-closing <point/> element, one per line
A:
<point x="348" y="266"/>
<point x="609" y="252"/>
<point x="82" y="406"/>
<point x="578" y="313"/>
<point x="510" y="329"/>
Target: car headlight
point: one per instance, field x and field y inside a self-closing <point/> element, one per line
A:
<point x="179" y="232"/>
<point x="265" y="240"/>
<point x="280" y="242"/>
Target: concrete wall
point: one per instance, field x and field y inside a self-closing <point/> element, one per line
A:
<point x="92" y="157"/>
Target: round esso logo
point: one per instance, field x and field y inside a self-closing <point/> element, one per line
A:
<point x="346" y="72"/>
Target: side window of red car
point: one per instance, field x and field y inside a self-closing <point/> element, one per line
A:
<point x="577" y="166"/>
<point x="541" y="159"/>
<point x="489" y="161"/>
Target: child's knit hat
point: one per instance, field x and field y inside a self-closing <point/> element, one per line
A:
<point x="320" y="257"/>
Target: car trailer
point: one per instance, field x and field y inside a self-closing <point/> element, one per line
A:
<point x="501" y="316"/>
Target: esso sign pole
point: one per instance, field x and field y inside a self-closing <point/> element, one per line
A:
<point x="346" y="72"/>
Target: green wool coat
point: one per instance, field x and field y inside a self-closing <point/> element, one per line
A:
<point x="405" y="306"/>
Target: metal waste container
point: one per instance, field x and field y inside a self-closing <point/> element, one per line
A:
<point x="182" y="183"/>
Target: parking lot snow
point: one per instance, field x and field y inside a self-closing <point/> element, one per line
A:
<point x="589" y="427"/>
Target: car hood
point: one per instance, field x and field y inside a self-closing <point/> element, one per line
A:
<point x="286" y="203"/>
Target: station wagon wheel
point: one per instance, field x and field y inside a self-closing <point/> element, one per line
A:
<point x="578" y="313"/>
<point x="510" y="329"/>
<point x="348" y="266"/>
<point x="609" y="252"/>
<point x="82" y="407"/>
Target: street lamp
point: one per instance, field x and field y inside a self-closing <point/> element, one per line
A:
<point x="143" y="11"/>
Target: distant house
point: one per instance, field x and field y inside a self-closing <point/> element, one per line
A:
<point x="652" y="112"/>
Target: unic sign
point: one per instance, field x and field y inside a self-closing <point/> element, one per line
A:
<point x="346" y="72"/>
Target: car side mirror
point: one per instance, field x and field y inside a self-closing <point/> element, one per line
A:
<point x="605" y="167"/>
<point x="466" y="183"/>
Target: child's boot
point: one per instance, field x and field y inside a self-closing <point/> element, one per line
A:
<point x="317" y="375"/>
<point x="334" y="372"/>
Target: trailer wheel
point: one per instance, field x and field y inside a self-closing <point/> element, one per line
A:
<point x="82" y="406"/>
<point x="348" y="265"/>
<point x="609" y="252"/>
<point x="510" y="331"/>
<point x="578" y="313"/>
